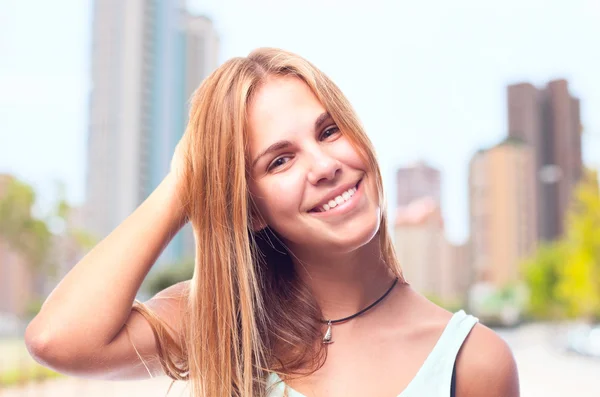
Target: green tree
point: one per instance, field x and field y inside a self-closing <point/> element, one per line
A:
<point x="542" y="273"/>
<point x="579" y="276"/>
<point x="26" y="234"/>
<point x="563" y="277"/>
<point x="35" y="239"/>
<point x="61" y="212"/>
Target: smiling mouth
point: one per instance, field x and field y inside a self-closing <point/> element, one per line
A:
<point x="338" y="200"/>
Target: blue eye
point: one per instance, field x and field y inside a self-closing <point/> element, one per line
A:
<point x="330" y="131"/>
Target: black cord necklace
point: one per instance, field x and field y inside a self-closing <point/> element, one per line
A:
<point x="327" y="338"/>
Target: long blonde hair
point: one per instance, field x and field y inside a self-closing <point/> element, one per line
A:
<point x="248" y="313"/>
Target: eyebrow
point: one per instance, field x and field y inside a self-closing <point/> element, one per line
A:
<point x="280" y="145"/>
<point x="321" y="120"/>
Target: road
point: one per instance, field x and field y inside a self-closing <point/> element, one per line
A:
<point x="544" y="371"/>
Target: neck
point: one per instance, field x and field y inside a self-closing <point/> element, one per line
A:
<point x="344" y="284"/>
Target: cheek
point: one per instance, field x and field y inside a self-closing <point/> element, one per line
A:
<point x="352" y="158"/>
<point x="349" y="155"/>
<point x="279" y="198"/>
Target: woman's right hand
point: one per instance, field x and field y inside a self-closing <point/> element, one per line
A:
<point x="178" y="160"/>
<point x="177" y="171"/>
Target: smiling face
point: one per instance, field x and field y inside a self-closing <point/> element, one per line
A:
<point x="309" y="183"/>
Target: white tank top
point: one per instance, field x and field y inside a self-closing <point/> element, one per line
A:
<point x="434" y="378"/>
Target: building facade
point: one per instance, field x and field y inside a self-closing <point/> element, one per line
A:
<point x="419" y="243"/>
<point x="147" y="59"/>
<point x="503" y="211"/>
<point x="417" y="181"/>
<point x="548" y="119"/>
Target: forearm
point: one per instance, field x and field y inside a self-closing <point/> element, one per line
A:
<point x="93" y="301"/>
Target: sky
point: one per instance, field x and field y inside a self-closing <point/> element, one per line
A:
<point x="427" y="78"/>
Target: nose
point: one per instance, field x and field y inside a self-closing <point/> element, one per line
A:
<point x="323" y="167"/>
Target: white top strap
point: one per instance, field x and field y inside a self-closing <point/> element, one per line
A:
<point x="435" y="376"/>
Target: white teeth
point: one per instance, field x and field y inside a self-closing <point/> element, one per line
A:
<point x="339" y="200"/>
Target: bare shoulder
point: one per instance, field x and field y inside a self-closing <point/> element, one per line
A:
<point x="485" y="366"/>
<point x="169" y="303"/>
<point x="175" y="293"/>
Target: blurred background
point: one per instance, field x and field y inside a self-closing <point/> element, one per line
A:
<point x="485" y="117"/>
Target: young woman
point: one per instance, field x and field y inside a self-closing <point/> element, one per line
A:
<point x="296" y="288"/>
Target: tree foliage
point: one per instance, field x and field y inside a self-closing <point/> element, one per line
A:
<point x="37" y="240"/>
<point x="26" y="234"/>
<point x="579" y="276"/>
<point x="564" y="277"/>
<point x="542" y="274"/>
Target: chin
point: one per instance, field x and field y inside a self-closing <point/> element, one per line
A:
<point x="353" y="236"/>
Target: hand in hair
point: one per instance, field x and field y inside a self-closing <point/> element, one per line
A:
<point x="178" y="160"/>
<point x="178" y="171"/>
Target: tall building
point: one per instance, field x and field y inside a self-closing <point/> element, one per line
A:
<point x="455" y="273"/>
<point x="549" y="120"/>
<point x="147" y="58"/>
<point x="417" y="181"/>
<point x="432" y="265"/>
<point x="201" y="49"/>
<point x="502" y="210"/>
<point x="419" y="243"/>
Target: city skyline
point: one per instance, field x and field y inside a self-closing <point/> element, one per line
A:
<point x="450" y="93"/>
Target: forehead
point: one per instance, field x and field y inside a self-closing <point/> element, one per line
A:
<point x="281" y="107"/>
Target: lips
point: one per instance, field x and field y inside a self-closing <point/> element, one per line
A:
<point x="333" y="194"/>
